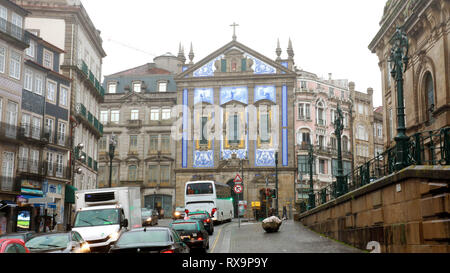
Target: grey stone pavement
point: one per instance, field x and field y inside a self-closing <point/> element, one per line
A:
<point x="250" y="237"/>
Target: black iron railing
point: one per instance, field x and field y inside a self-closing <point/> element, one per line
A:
<point x="425" y="148"/>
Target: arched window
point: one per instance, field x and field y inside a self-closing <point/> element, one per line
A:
<point x="304" y="138"/>
<point x="429" y="92"/>
<point x="320" y="114"/>
<point x="344" y="143"/>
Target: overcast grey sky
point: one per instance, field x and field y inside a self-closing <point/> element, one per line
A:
<point x="328" y="36"/>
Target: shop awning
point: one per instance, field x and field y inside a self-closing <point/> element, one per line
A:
<point x="70" y="194"/>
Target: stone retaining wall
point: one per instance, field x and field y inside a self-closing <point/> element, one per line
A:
<point x="405" y="212"/>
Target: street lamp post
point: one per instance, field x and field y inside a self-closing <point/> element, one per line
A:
<point x="112" y="147"/>
<point x="339" y="127"/>
<point x="312" y="201"/>
<point x="399" y="64"/>
<point x="276" y="182"/>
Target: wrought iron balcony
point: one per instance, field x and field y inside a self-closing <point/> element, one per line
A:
<point x="10" y="184"/>
<point x="30" y="167"/>
<point x="14" y="31"/>
<point x="58" y="170"/>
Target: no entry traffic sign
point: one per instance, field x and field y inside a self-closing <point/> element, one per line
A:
<point x="238" y="188"/>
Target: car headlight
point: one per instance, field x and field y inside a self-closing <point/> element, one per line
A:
<point x="149" y="219"/>
<point x="177" y="213"/>
<point x="85" y="248"/>
<point x="114" y="236"/>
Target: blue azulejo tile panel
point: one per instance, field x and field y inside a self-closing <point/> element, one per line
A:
<point x="285" y="147"/>
<point x="265" y="158"/>
<point x="241" y="154"/>
<point x="185" y="129"/>
<point x="204" y="95"/>
<point x="236" y="93"/>
<point x="265" y="92"/>
<point x="208" y="69"/>
<point x="284" y="98"/>
<point x="260" y="67"/>
<point x="203" y="159"/>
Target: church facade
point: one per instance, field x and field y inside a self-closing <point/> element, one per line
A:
<point x="235" y="117"/>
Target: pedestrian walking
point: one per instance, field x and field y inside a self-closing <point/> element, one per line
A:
<point x="285" y="213"/>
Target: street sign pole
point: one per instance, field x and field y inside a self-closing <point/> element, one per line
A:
<point x="267" y="197"/>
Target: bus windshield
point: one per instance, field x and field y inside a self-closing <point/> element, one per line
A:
<point x="199" y="188"/>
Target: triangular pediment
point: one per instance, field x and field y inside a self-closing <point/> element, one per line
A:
<point x="254" y="62"/>
<point x="132" y="97"/>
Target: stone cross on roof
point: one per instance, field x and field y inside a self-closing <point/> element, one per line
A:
<point x="234" y="25"/>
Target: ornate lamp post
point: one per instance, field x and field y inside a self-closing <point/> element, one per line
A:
<point x="276" y="182"/>
<point x="339" y="127"/>
<point x="399" y="64"/>
<point x="312" y="200"/>
<point x="112" y="147"/>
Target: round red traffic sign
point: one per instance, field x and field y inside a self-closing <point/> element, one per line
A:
<point x="237" y="188"/>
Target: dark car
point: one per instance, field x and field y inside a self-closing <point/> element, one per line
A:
<point x="150" y="240"/>
<point x="58" y="242"/>
<point x="13" y="246"/>
<point x="178" y="213"/>
<point x="205" y="217"/>
<point x="192" y="232"/>
<point x="149" y="217"/>
<point x="24" y="236"/>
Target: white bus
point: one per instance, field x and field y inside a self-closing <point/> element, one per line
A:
<point x="209" y="195"/>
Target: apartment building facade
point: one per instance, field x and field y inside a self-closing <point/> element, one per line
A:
<point x="136" y="113"/>
<point x="315" y="105"/>
<point x="67" y="25"/>
<point x="13" y="43"/>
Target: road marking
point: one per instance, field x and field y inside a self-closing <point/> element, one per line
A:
<point x="215" y="241"/>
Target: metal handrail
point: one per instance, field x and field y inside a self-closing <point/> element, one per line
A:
<point x="424" y="148"/>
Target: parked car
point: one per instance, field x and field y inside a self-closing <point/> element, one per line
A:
<point x="24" y="236"/>
<point x="149" y="217"/>
<point x="178" y="213"/>
<point x="192" y="232"/>
<point x="205" y="217"/>
<point x="150" y="240"/>
<point x="58" y="242"/>
<point x="13" y="246"/>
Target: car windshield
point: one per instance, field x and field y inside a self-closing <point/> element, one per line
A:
<point x="146" y="212"/>
<point x="97" y="218"/>
<point x="184" y="226"/>
<point x="13" y="236"/>
<point x="48" y="241"/>
<point x="179" y="209"/>
<point x="143" y="237"/>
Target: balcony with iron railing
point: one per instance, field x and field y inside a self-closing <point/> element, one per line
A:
<point x="96" y="88"/>
<point x="10" y="184"/>
<point x="30" y="167"/>
<point x="89" y="119"/>
<point x="56" y="170"/>
<point x="13" y="33"/>
<point x="9" y="132"/>
<point x="426" y="148"/>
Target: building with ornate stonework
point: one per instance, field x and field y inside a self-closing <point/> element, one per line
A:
<point x="427" y="79"/>
<point x="243" y="100"/>
<point x="137" y="111"/>
<point x="362" y="124"/>
<point x="315" y="107"/>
